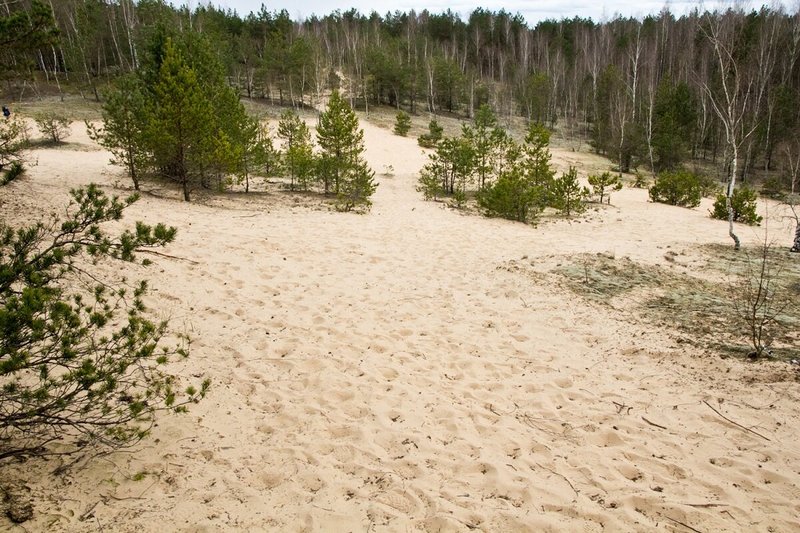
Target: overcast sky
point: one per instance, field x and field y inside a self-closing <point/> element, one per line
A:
<point x="532" y="10"/>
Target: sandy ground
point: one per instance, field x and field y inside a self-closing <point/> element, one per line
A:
<point x="395" y="372"/>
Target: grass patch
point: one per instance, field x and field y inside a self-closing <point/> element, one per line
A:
<point x="698" y="311"/>
<point x="73" y="107"/>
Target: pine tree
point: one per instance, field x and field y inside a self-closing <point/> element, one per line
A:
<point x="537" y="161"/>
<point x="488" y="140"/>
<point x="601" y="183"/>
<point x="180" y="132"/>
<point x="450" y="168"/>
<point x="22" y="31"/>
<point x="340" y="141"/>
<point x="298" y="157"/>
<point x="434" y="135"/>
<point x="525" y="179"/>
<point x="341" y="165"/>
<point x="402" y="123"/>
<point x="12" y="142"/>
<point x="81" y="361"/>
<point x="358" y="185"/>
<point x="514" y="195"/>
<point x="568" y="195"/>
<point x="257" y="154"/>
<point x="125" y="119"/>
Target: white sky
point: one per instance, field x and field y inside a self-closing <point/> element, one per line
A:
<point x="532" y="10"/>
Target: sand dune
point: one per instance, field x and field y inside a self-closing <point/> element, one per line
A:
<point x="398" y="371"/>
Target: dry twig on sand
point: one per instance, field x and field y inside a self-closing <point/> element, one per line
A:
<point x="735" y="423"/>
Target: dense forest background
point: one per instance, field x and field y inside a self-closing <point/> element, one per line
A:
<point x="653" y="93"/>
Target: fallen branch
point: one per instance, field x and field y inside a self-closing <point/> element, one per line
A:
<point x="654" y="424"/>
<point x="621" y="406"/>
<point x="146" y="251"/>
<point x="687" y="526"/>
<point x="88" y="512"/>
<point x="562" y="476"/>
<point x="736" y="423"/>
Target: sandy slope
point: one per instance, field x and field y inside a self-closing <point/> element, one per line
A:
<point x="395" y="371"/>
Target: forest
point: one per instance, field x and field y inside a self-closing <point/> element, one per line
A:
<point x="654" y="93"/>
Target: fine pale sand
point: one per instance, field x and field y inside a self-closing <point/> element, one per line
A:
<point x="400" y="371"/>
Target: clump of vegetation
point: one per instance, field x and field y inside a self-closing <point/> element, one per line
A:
<point x="14" y="171"/>
<point x="523" y="187"/>
<point x="124" y="132"/>
<point x="342" y="167"/>
<point x="54" y="126"/>
<point x="12" y="142"/>
<point x="80" y="362"/>
<point x="449" y="170"/>
<point x="774" y="187"/>
<point x="567" y="194"/>
<point x="751" y="308"/>
<point x="434" y="135"/>
<point x="402" y="123"/>
<point x="680" y="187"/>
<point x="640" y="181"/>
<point x="603" y="184"/>
<point x="512" y="196"/>
<point x="298" y="155"/>
<point x="743" y="204"/>
<point x="760" y="298"/>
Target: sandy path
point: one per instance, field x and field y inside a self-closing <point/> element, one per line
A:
<point x="392" y="371"/>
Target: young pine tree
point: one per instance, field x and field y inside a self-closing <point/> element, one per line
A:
<point x="402" y="123"/>
<point x="568" y="195"/>
<point x="449" y="170"/>
<point x="341" y="142"/>
<point x="181" y="131"/>
<point x="488" y="140"/>
<point x="434" y="135"/>
<point x="537" y="161"/>
<point x="81" y="361"/>
<point x="124" y="133"/>
<point x="514" y="195"/>
<point x="604" y="183"/>
<point x="297" y="156"/>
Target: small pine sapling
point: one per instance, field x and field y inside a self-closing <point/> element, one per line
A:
<point x="53" y="126"/>
<point x="604" y="183"/>
<point x="568" y="196"/>
<point x="402" y="123"/>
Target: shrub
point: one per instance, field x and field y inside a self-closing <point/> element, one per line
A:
<point x="13" y="139"/>
<point x="15" y="170"/>
<point x="53" y="126"/>
<point x="760" y="299"/>
<point x="774" y="187"/>
<point x="513" y="196"/>
<point x="567" y="195"/>
<point x="680" y="187"/>
<point x="402" y="123"/>
<point x="743" y="203"/>
<point x="604" y="183"/>
<point x="640" y="182"/>
<point x="80" y="362"/>
<point x="434" y="135"/>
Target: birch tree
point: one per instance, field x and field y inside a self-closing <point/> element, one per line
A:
<point x="729" y="97"/>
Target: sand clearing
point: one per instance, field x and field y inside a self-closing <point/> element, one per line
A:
<point x="415" y="369"/>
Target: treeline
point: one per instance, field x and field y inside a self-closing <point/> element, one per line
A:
<point x="643" y="92"/>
